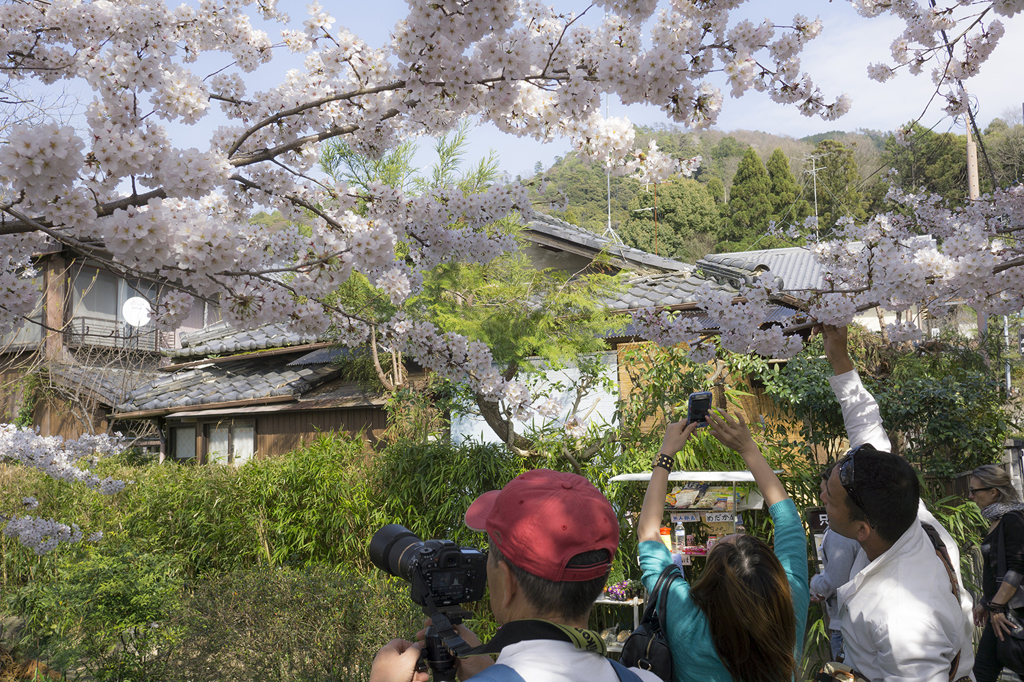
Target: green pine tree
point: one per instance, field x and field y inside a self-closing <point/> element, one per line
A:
<point x="716" y="189"/>
<point x="788" y="206"/>
<point x="750" y="201"/>
<point x="838" y="185"/>
<point x="935" y="162"/>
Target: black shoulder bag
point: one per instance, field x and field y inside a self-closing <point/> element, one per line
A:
<point x="647" y="648"/>
<point x="1010" y="650"/>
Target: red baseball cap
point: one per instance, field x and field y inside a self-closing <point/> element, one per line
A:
<point x="543" y="518"/>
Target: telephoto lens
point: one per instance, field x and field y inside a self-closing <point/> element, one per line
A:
<point x="392" y="548"/>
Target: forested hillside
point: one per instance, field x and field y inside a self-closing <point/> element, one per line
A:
<point x="748" y="179"/>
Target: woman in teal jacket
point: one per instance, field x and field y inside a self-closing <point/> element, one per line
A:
<point x="743" y="620"/>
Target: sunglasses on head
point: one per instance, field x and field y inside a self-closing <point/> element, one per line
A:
<point x="846" y="479"/>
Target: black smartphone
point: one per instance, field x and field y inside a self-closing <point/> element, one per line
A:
<point x="697" y="409"/>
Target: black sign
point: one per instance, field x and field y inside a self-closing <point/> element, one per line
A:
<point x="817" y="519"/>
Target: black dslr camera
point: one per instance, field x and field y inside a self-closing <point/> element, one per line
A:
<point x="441" y="573"/>
<point x="442" y="576"/>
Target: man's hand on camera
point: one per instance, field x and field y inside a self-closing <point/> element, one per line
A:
<point x="396" y="662"/>
<point x="464" y="667"/>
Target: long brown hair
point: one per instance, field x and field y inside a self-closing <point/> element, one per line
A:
<point x="744" y="593"/>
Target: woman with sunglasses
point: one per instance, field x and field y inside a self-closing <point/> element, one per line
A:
<point x="743" y="620"/>
<point x="993" y="492"/>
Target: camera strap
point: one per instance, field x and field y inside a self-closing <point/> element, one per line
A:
<point x="523" y="630"/>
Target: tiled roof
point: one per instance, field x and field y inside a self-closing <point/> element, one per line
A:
<point x="661" y="290"/>
<point x="776" y="313"/>
<point x="796" y="266"/>
<point x="321" y="355"/>
<point x="111" y="385"/>
<point x="223" y="339"/>
<point x="246" y="379"/>
<point x="548" y="231"/>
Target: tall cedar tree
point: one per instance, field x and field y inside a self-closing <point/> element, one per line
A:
<point x="788" y="206"/>
<point x="838" y="185"/>
<point x="687" y="221"/>
<point x="750" y="202"/>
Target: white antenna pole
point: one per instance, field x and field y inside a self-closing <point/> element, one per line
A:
<point x="814" y="176"/>
<point x="608" y="172"/>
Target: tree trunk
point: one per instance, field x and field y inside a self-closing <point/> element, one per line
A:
<point x="500" y="425"/>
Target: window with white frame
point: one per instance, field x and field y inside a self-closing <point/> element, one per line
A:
<point x="230" y="442"/>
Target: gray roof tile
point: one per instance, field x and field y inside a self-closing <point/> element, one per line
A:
<point x="796" y="266"/>
<point x="246" y="379"/>
<point x="111" y="385"/>
<point x="661" y="290"/>
<point x="222" y="338"/>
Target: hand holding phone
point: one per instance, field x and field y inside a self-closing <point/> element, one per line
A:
<point x="697" y="408"/>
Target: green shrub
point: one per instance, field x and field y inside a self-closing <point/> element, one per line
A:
<point x="287" y="624"/>
<point x="96" y="601"/>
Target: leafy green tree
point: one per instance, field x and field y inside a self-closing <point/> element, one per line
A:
<point x="584" y="187"/>
<point x="518" y="311"/>
<point x="836" y="183"/>
<point x="1004" y="140"/>
<point x="339" y="160"/>
<point x="788" y="206"/>
<point x="687" y="221"/>
<point x="750" y="201"/>
<point x="935" y="162"/>
<point x="942" y="403"/>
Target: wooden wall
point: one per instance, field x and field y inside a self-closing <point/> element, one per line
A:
<point x="281" y="432"/>
<point x="10" y="393"/>
<point x="57" y="417"/>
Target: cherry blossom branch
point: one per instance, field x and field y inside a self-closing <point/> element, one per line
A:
<point x="302" y="108"/>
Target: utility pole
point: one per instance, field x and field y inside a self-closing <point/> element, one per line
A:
<point x="814" y="179"/>
<point x="973" y="192"/>
<point x="973" y="187"/>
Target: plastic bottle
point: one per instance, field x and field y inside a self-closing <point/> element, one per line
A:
<point x="666" y="537"/>
<point x="680" y="537"/>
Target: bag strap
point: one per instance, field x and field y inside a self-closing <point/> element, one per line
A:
<point x="624" y="673"/>
<point x="670" y="573"/>
<point x="656" y="606"/>
<point x="532" y="628"/>
<point x="947" y="563"/>
<point x="1001" y="556"/>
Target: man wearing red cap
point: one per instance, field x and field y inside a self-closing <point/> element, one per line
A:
<point x="552" y="538"/>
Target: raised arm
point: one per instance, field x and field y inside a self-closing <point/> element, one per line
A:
<point x="860" y="410"/>
<point x="733" y="433"/>
<point x="676" y="435"/>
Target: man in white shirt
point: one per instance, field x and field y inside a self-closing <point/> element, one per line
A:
<point x="552" y="538"/>
<point x="904" y="616"/>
